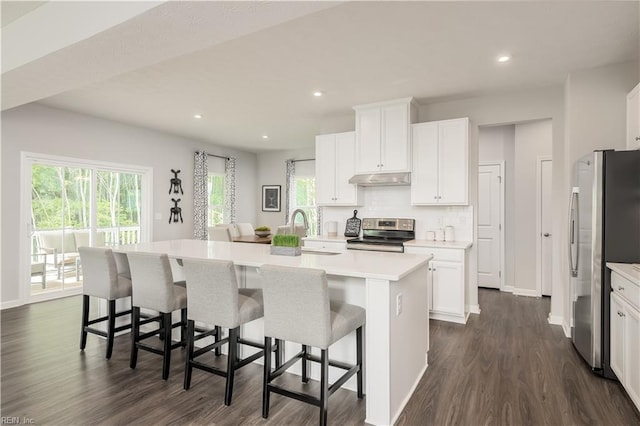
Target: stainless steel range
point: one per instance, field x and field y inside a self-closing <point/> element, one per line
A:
<point x="384" y="234"/>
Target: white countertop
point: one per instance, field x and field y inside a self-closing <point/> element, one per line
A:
<point x="353" y="263"/>
<point x="440" y="244"/>
<point x="626" y="270"/>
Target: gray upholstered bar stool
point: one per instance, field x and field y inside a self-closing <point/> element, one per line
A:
<point x="297" y="308"/>
<point x="215" y="299"/>
<point x="153" y="288"/>
<point x="101" y="278"/>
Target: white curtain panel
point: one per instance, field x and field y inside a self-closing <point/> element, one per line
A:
<point x="200" y="195"/>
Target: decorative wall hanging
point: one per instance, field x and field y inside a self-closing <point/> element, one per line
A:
<point x="176" y="212"/>
<point x="270" y="198"/>
<point x="176" y="183"/>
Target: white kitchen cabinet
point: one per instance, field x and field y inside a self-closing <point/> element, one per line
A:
<point x="383" y="136"/>
<point x="440" y="170"/>
<point x="625" y="334"/>
<point x="633" y="118"/>
<point x="335" y="165"/>
<point x="448" y="283"/>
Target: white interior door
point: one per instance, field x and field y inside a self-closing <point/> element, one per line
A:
<point x="545" y="226"/>
<point x="489" y="226"/>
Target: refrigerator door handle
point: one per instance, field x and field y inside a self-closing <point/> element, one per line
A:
<point x="573" y="240"/>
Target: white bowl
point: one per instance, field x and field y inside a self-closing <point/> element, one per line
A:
<point x="262" y="233"/>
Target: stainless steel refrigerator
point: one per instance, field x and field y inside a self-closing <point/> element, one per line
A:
<point x="604" y="225"/>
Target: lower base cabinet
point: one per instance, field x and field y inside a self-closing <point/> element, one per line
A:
<point x="625" y="339"/>
<point x="448" y="283"/>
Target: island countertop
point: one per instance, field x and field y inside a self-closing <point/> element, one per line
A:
<point x="353" y="263"/>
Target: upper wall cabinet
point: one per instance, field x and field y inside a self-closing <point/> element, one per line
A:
<point x="440" y="173"/>
<point x="633" y="118"/>
<point x="382" y="136"/>
<point x="335" y="164"/>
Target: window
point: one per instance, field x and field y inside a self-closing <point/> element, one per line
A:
<point x="303" y="194"/>
<point x="75" y="203"/>
<point x="215" y="189"/>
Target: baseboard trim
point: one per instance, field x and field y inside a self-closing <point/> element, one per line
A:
<point x="10" y="304"/>
<point x="567" y="330"/>
<point x="525" y="292"/>
<point x="448" y="317"/>
<point x="507" y="289"/>
<point x="555" y="319"/>
<point x="474" y="309"/>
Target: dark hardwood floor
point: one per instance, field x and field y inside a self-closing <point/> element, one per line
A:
<point x="506" y="366"/>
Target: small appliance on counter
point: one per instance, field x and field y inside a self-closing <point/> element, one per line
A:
<point x="449" y="234"/>
<point x="384" y="234"/>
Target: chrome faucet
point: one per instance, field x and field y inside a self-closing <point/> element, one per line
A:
<point x="304" y="218"/>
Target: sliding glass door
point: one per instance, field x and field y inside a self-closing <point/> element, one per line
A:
<point x="79" y="204"/>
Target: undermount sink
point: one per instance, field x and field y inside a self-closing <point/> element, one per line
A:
<point x="319" y="252"/>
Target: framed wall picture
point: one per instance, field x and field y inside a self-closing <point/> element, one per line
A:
<point x="270" y="198"/>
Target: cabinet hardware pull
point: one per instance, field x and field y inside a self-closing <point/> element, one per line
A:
<point x="638" y="138"/>
<point x="435" y="197"/>
<point x="621" y="288"/>
<point x="620" y="314"/>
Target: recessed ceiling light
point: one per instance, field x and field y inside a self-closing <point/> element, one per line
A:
<point x="504" y="58"/>
<point x="197" y="116"/>
<point x="317" y="93"/>
<point x="265" y="137"/>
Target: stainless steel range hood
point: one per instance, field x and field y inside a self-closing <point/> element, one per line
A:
<point x="381" y="179"/>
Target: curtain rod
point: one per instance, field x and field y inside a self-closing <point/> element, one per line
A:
<point x="218" y="156"/>
<point x="305" y="159"/>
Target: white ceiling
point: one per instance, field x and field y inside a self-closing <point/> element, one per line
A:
<point x="250" y="67"/>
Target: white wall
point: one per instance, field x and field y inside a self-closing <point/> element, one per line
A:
<point x="272" y="170"/>
<point x="532" y="140"/>
<point x="497" y="143"/>
<point x="39" y="129"/>
<point x="517" y="107"/>
<point x="595" y="101"/>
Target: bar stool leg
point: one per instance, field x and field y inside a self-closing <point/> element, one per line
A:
<point x="216" y="339"/>
<point x="111" y="325"/>
<point x="359" y="374"/>
<point x="183" y="327"/>
<point x="324" y="386"/>
<point x="267" y="377"/>
<point x="85" y="321"/>
<point x="188" y="368"/>
<point x="166" y="365"/>
<point x="135" y="332"/>
<point x="305" y="364"/>
<point x="279" y="352"/>
<point x="232" y="360"/>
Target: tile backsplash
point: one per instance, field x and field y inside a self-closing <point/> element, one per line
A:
<point x="395" y="201"/>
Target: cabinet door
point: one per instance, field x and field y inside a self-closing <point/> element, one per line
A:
<point x="394" y="156"/>
<point x="368" y="124"/>
<point x="325" y="169"/>
<point x="453" y="166"/>
<point x="346" y="193"/>
<point x="632" y="354"/>
<point x="617" y="336"/>
<point x="424" y="173"/>
<point x="447" y="291"/>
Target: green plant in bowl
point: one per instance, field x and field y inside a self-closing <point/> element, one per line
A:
<point x="286" y="240"/>
<point x="262" y="231"/>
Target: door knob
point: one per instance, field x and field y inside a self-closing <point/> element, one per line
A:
<point x="546" y="234"/>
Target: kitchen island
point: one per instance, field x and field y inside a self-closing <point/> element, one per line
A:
<point x="392" y="287"/>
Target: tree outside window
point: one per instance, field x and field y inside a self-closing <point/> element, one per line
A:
<point x="215" y="189"/>
<point x="305" y="199"/>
